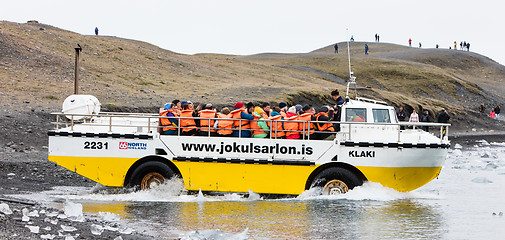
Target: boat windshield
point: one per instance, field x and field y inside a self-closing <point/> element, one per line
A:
<point x="355" y="114"/>
<point x="381" y="116"/>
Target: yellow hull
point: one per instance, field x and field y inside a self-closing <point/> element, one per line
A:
<point x="233" y="177"/>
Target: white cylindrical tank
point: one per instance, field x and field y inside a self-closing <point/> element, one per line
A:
<point x="80" y="104"/>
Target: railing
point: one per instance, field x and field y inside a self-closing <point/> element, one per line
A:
<point x="67" y="120"/>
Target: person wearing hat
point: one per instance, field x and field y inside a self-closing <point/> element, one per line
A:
<point x="291" y="127"/>
<point x="324" y="129"/>
<point x="168" y="120"/>
<point x="241" y="126"/>
<point x="259" y="127"/>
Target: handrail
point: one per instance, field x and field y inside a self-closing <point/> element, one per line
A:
<point x="303" y="132"/>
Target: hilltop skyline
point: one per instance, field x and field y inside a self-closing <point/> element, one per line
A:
<point x="244" y="28"/>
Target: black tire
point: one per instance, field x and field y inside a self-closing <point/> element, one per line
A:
<point x="340" y="175"/>
<point x="150" y="172"/>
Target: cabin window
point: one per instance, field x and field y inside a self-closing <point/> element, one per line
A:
<point x="355" y="114"/>
<point x="381" y="116"/>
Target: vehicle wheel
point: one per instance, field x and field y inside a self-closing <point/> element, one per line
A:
<point x="334" y="181"/>
<point x="150" y="174"/>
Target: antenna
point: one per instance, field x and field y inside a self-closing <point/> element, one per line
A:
<point x="352" y="78"/>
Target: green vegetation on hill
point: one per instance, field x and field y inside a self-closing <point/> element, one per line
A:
<point x="37" y="67"/>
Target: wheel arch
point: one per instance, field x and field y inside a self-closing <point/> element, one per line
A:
<point x="319" y="169"/>
<point x="143" y="160"/>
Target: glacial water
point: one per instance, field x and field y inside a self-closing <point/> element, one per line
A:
<point x="467" y="201"/>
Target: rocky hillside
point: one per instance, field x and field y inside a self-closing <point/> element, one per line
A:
<point x="37" y="69"/>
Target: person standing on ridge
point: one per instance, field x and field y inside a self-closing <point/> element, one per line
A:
<point x="336" y="48"/>
<point x="96" y="31"/>
<point x="366" y="49"/>
<point x="352" y="38"/>
<point x="482" y="108"/>
<point x="410" y="42"/>
<point x="420" y="45"/>
<point x="378" y="38"/>
<point x="455" y="45"/>
<point x="467" y="47"/>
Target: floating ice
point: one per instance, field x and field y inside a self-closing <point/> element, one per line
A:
<point x="68" y="228"/>
<point x="458" y="146"/>
<point x="25" y="218"/>
<point x="33" y="213"/>
<point x="52" y="214"/>
<point x="118" y="238"/>
<point x="42" y="212"/>
<point x="253" y="196"/>
<point x="126" y="230"/>
<point x="498" y="143"/>
<point x="96" y="229"/>
<point x="111" y="228"/>
<point x="47" y="228"/>
<point x="483" y="142"/>
<point x="212" y="234"/>
<point x="68" y="237"/>
<point x="11" y="174"/>
<point x="47" y="236"/>
<point x="109" y="217"/>
<point x="491" y="166"/>
<point x="33" y="229"/>
<point x="62" y="216"/>
<point x="457" y="152"/>
<point x="481" y="180"/>
<point x="5" y="209"/>
<point x="74" y="211"/>
<point x="484" y="155"/>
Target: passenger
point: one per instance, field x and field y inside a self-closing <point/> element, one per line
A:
<point x="306" y="126"/>
<point x="207" y="124"/>
<point x="299" y="108"/>
<point x="177" y="106"/>
<point x="240" y="113"/>
<point x="187" y="122"/>
<point x="426" y="118"/>
<point x="324" y="129"/>
<point x="284" y="108"/>
<point x="291" y="127"/>
<point x="259" y="127"/>
<point x="275" y="125"/>
<point x="414" y="117"/>
<point x="224" y="126"/>
<point x="168" y="120"/>
<point x="266" y="110"/>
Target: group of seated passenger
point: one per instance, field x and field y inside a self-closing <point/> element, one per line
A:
<point x="247" y="120"/>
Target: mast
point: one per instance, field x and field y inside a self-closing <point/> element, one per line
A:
<point x="352" y="78"/>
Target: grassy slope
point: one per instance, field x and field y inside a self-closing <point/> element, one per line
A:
<point x="36" y="66"/>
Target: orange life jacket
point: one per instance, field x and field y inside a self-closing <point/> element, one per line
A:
<point x="224" y="126"/>
<point x="276" y="125"/>
<point x="254" y="126"/>
<point x="204" y="123"/>
<point x="291" y="128"/>
<point x="326" y="126"/>
<point x="306" y="126"/>
<point x="187" y="124"/>
<point x="166" y="122"/>
<point x="236" y="115"/>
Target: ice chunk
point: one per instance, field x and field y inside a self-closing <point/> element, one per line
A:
<point x="33" y="229"/>
<point x="25" y="211"/>
<point x="481" y="180"/>
<point x="126" y="230"/>
<point x="62" y="216"/>
<point x="25" y="218"/>
<point x="111" y="228"/>
<point x="33" y="213"/>
<point x="5" y="209"/>
<point x="253" y="196"/>
<point x="68" y="228"/>
<point x="11" y="174"/>
<point x="68" y="237"/>
<point x="118" y="238"/>
<point x="213" y="234"/>
<point x="74" y="211"/>
<point x="491" y="166"/>
<point x="48" y="236"/>
<point x="96" y="229"/>
<point x="458" y="146"/>
<point x="483" y="142"/>
<point x="109" y="217"/>
<point x="42" y="212"/>
<point x="47" y="228"/>
<point x="52" y="214"/>
<point x="54" y="222"/>
<point x="484" y="155"/>
<point x="457" y="152"/>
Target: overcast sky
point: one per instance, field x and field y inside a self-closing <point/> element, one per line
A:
<point x="248" y="27"/>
